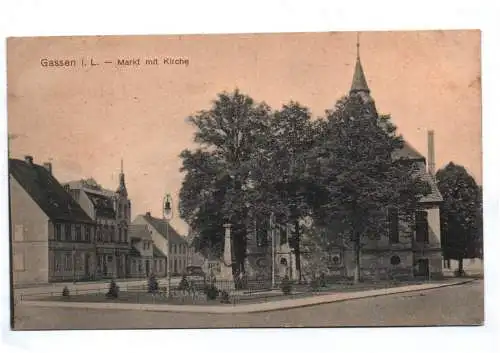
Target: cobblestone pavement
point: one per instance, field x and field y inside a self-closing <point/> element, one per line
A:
<point x="455" y="305"/>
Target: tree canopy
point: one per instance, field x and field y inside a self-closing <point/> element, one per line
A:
<point x="357" y="168"/>
<point x="218" y="173"/>
<point x="252" y="163"/>
<point x="461" y="213"/>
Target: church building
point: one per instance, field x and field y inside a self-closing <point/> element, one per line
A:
<point x="402" y="252"/>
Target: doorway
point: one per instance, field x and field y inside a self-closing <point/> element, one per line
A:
<point x="283" y="267"/>
<point x="86" y="264"/>
<point x="422" y="268"/>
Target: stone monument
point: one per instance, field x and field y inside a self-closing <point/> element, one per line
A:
<point x="226" y="273"/>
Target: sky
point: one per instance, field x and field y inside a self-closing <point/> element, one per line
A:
<point x="86" y="119"/>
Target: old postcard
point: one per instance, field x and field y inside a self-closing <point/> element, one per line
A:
<point x="246" y="180"/>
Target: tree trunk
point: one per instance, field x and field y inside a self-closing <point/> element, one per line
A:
<point x="297" y="250"/>
<point x="460" y="267"/>
<point x="357" y="262"/>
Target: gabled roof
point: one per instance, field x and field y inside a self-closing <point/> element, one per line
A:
<point x="434" y="196"/>
<point x="409" y="152"/>
<point x="139" y="231"/>
<point x="90" y="185"/>
<point x="134" y="252"/>
<point x="157" y="252"/>
<point x="47" y="192"/>
<point x="103" y="205"/>
<point x="161" y="227"/>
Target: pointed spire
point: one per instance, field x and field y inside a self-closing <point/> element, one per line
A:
<point x="122" y="189"/>
<point x="359" y="80"/>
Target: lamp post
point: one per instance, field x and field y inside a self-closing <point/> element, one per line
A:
<point x="73" y="262"/>
<point x="273" y="250"/>
<point x="167" y="215"/>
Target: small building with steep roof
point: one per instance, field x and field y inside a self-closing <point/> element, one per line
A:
<point x="168" y="241"/>
<point x="52" y="236"/>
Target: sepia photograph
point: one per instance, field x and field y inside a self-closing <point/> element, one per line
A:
<point x="267" y="180"/>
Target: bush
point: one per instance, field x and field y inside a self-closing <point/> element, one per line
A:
<point x="286" y="285"/>
<point x="153" y="284"/>
<point x="183" y="284"/>
<point x="224" y="297"/>
<point x="113" y="290"/>
<point x="65" y="292"/>
<point x="211" y="291"/>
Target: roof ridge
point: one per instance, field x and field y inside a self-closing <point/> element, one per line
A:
<point x="47" y="192"/>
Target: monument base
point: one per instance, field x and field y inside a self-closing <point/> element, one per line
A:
<point x="226" y="275"/>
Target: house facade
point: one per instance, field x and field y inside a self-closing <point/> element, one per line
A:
<point x="111" y="211"/>
<point x="167" y="241"/>
<point x="145" y="257"/>
<point x="52" y="236"/>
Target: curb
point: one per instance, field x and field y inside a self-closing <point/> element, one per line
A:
<point x="247" y="308"/>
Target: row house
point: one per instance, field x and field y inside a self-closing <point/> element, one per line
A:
<point x="167" y="241"/>
<point x="52" y="236"/>
<point x="80" y="231"/>
<point x="146" y="259"/>
<point x="111" y="211"/>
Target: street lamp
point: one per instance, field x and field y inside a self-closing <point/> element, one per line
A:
<point x="73" y="262"/>
<point x="273" y="249"/>
<point x="167" y="212"/>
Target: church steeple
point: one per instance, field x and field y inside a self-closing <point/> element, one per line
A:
<point x="122" y="189"/>
<point x="359" y="80"/>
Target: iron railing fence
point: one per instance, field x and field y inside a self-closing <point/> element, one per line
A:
<point x="198" y="292"/>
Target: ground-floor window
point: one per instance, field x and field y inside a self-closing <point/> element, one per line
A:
<point x="19" y="262"/>
<point x="68" y="262"/>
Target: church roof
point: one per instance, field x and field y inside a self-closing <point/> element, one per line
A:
<point x="434" y="195"/>
<point x="360" y="86"/>
<point x="47" y="192"/>
<point x="359" y="83"/>
<point x="408" y="152"/>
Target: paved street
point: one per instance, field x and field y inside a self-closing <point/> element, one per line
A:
<point x="455" y="305"/>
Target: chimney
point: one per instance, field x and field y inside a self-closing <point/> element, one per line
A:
<point x="431" y="162"/>
<point x="48" y="166"/>
<point x="29" y="159"/>
<point x="148" y="214"/>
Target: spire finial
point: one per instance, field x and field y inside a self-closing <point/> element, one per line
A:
<point x="357" y="45"/>
<point x="122" y="189"/>
<point x="359" y="81"/>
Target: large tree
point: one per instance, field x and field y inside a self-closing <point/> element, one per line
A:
<point x="461" y="214"/>
<point x="355" y="160"/>
<point x="283" y="183"/>
<point x="218" y="173"/>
